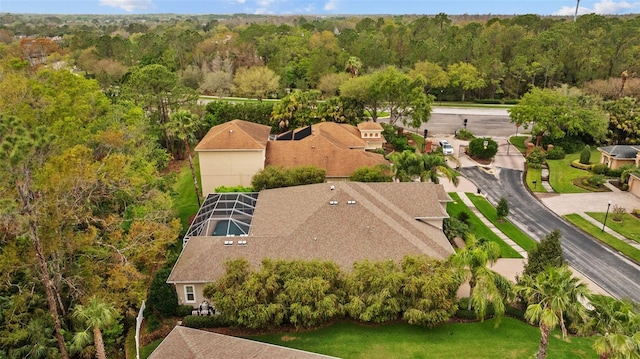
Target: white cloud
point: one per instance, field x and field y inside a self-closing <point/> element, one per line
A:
<point x="604" y="7"/>
<point x="331" y="5"/>
<point x="241" y="1"/>
<point x="129" y="5"/>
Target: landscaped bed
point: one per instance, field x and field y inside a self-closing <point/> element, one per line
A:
<point x="478" y="228"/>
<point x="561" y="174"/>
<point x="511" y="339"/>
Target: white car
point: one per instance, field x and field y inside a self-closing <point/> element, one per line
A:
<point x="447" y="149"/>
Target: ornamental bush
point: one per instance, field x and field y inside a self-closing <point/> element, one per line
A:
<point x="585" y="155"/>
<point x="478" y="149"/>
<point x="556" y="153"/>
<point x="536" y="157"/>
<point x="600" y="168"/>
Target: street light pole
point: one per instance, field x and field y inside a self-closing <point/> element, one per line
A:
<point x="606" y="215"/>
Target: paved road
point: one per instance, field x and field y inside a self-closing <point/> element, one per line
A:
<point x="485" y="121"/>
<point x="608" y="269"/>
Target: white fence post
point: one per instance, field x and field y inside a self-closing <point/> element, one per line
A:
<point x="139" y="319"/>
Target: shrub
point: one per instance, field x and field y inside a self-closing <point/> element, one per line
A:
<point x="577" y="164"/>
<point x="463" y="217"/>
<point x="511" y="102"/>
<point x="184" y="310"/>
<point x="618" y="213"/>
<point x="278" y="176"/>
<point x="556" y="153"/>
<point x="233" y="189"/>
<point x="514" y="312"/>
<point x="197" y="322"/>
<point x="453" y="227"/>
<point x="568" y="144"/>
<point x="379" y="173"/>
<point x="153" y="323"/>
<point x="464" y="134"/>
<point x="614" y="172"/>
<point x="536" y="157"/>
<point x="488" y="101"/>
<point x="479" y="150"/>
<point x="585" y="155"/>
<point x="596" y="180"/>
<point x="162" y="296"/>
<point x="600" y="168"/>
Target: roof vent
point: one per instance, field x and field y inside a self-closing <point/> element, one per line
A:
<point x="228" y="243"/>
<point x="351" y="202"/>
<point x="333" y="203"/>
<point x="332" y="187"/>
<point x="242" y="243"/>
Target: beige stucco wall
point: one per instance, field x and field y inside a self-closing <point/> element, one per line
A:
<point x="615" y="163"/>
<point x="198" y="288"/>
<point x="634" y="185"/>
<point x="229" y="168"/>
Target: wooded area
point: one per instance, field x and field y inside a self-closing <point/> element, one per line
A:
<point x="92" y="110"/>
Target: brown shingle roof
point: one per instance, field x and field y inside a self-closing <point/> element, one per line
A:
<point x="370" y="125"/>
<point x="188" y="343"/>
<point x="236" y="134"/>
<point x="336" y="148"/>
<point x="300" y="223"/>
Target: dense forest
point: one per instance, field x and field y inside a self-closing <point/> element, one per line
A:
<point x="93" y="109"/>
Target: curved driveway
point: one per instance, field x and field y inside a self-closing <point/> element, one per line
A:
<point x="610" y="270"/>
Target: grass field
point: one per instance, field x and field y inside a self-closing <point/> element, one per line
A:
<point x="478" y="228"/>
<point x="561" y="173"/>
<point x="184" y="202"/>
<point x="512" y="339"/>
<point x="628" y="227"/>
<point x="505" y="226"/>
<point x="535" y="174"/>
<point x="518" y="142"/>
<point x="604" y="237"/>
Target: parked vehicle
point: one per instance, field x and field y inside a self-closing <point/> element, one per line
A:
<point x="447" y="149"/>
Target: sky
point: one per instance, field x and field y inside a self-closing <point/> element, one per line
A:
<point x="320" y="7"/>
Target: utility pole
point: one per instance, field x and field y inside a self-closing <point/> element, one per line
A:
<point x="575" y="15"/>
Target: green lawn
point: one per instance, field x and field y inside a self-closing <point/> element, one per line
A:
<point x="629" y="227"/>
<point x="505" y="226"/>
<point x="184" y="202"/>
<point x="518" y="142"/>
<point x="478" y="228"/>
<point x="512" y="339"/>
<point x="535" y="174"/>
<point x="561" y="173"/>
<point x="604" y="237"/>
<point x="146" y="350"/>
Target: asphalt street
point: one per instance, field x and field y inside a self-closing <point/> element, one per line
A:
<point x="490" y="122"/>
<point x="610" y="270"/>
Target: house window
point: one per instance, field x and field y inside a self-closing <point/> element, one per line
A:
<point x="189" y="294"/>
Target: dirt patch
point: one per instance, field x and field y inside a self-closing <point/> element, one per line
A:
<point x="287" y="338"/>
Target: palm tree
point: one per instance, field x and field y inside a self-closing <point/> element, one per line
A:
<point x="435" y="165"/>
<point x="407" y="165"/>
<point x="485" y="286"/>
<point x="183" y="125"/>
<point x="618" y="323"/>
<point x="353" y="65"/>
<point x="41" y="341"/>
<point x="552" y="294"/>
<point x="95" y="316"/>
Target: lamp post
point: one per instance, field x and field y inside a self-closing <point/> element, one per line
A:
<point x="424" y="145"/>
<point x="535" y="184"/>
<point x="606" y="215"/>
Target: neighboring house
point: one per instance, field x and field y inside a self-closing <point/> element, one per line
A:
<point x="339" y="149"/>
<point x="344" y="222"/>
<point x="188" y="343"/>
<point x="619" y="155"/>
<point x="230" y="154"/>
<point x="233" y="152"/>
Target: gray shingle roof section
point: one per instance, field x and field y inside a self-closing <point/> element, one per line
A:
<point x="349" y="223"/>
<point x="188" y="343"/>
<point x="621" y="151"/>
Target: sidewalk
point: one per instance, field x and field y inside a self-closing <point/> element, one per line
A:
<point x="609" y="230"/>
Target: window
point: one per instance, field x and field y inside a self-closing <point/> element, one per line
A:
<point x="190" y="295"/>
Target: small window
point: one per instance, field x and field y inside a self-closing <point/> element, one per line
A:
<point x="190" y="294"/>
